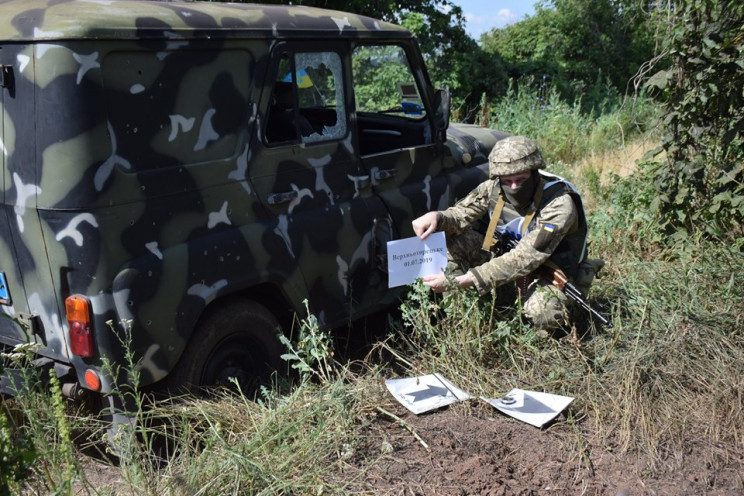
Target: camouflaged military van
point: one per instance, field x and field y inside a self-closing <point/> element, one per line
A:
<point x="181" y="177"/>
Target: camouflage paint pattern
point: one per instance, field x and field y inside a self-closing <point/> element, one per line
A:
<point x="135" y="172"/>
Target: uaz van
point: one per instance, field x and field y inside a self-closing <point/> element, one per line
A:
<point x="179" y="178"/>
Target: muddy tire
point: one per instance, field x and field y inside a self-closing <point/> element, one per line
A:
<point x="236" y="340"/>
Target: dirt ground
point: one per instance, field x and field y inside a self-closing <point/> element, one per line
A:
<point x="472" y="449"/>
<point x="475" y="450"/>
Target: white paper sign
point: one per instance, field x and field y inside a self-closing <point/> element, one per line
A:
<point x="411" y="258"/>
<point x="530" y="406"/>
<point x="425" y="393"/>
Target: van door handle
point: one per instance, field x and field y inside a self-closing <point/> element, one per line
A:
<point x="279" y="198"/>
<point x="385" y="174"/>
<point x="360" y="182"/>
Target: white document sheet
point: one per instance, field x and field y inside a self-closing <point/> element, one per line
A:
<point x="425" y="393"/>
<point x="530" y="406"/>
<point x="411" y="258"/>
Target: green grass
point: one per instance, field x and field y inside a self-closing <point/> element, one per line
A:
<point x="669" y="373"/>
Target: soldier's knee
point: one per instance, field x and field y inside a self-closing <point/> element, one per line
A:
<point x="545" y="319"/>
<point x="545" y="309"/>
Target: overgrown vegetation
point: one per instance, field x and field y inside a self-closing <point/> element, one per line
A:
<point x="669" y="373"/>
<point x="701" y="184"/>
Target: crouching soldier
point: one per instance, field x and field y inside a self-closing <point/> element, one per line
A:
<point x="536" y="222"/>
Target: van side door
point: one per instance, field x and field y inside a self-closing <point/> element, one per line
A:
<point x="308" y="176"/>
<point x="399" y="146"/>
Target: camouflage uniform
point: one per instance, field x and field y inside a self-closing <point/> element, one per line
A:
<point x="557" y="232"/>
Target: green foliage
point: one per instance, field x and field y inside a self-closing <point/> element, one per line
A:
<point x="42" y="454"/>
<point x="312" y="355"/>
<point x="64" y="453"/>
<point x="700" y="186"/>
<point x="563" y="130"/>
<point x="377" y="70"/>
<point x="17" y="456"/>
<point x="287" y="444"/>
<point x="17" y="452"/>
<point x="576" y="43"/>
<point x="382" y="9"/>
<point x="130" y="437"/>
<point x="455" y="333"/>
<point x="455" y="61"/>
<point x="680" y="354"/>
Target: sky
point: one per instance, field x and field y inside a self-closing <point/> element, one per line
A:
<point x="484" y="15"/>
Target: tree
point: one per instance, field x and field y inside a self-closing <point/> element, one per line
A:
<point x="576" y="42"/>
<point x="701" y="182"/>
<point x="455" y="60"/>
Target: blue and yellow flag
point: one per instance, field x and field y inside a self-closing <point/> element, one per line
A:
<point x="303" y="79"/>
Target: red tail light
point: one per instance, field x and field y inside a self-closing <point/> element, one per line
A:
<point x="78" y="320"/>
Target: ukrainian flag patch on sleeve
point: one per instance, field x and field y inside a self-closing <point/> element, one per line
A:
<point x="544" y="237"/>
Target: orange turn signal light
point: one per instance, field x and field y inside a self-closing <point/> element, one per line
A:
<point x="77" y="309"/>
<point x="92" y="380"/>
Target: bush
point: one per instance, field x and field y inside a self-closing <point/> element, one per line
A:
<point x="701" y="182"/>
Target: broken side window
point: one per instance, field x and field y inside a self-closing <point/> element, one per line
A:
<point x="308" y="99"/>
<point x="320" y="92"/>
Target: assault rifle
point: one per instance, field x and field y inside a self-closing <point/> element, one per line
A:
<point x="551" y="272"/>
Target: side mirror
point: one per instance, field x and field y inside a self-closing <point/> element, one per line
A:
<point x="441" y="112"/>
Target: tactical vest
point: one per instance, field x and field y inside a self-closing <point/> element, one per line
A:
<point x="572" y="249"/>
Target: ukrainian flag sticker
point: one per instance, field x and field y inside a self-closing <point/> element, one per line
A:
<point x="303" y="79"/>
<point x="549" y="228"/>
<point x="4" y="293"/>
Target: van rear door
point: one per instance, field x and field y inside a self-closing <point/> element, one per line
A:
<point x="12" y="296"/>
<point x="29" y="312"/>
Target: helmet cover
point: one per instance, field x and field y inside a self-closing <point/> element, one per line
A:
<point x="513" y="155"/>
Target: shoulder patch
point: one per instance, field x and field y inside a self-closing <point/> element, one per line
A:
<point x="544" y="237"/>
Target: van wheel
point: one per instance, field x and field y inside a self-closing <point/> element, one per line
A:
<point x="238" y="340"/>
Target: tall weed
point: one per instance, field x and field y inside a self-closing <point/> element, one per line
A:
<point x="460" y="334"/>
<point x="43" y="457"/>
<point x="280" y="445"/>
<point x="565" y="131"/>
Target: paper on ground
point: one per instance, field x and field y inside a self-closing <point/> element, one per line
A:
<point x="530" y="406"/>
<point x="424" y="393"/>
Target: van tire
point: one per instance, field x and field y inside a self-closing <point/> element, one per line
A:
<point x="238" y="339"/>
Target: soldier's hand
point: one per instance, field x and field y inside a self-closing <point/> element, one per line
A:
<point x="437" y="283"/>
<point x="426" y="224"/>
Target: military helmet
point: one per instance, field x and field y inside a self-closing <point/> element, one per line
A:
<point x="513" y="155"/>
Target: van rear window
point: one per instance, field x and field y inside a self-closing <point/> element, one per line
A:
<point x="181" y="107"/>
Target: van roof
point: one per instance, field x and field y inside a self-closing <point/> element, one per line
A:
<point x="50" y="20"/>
